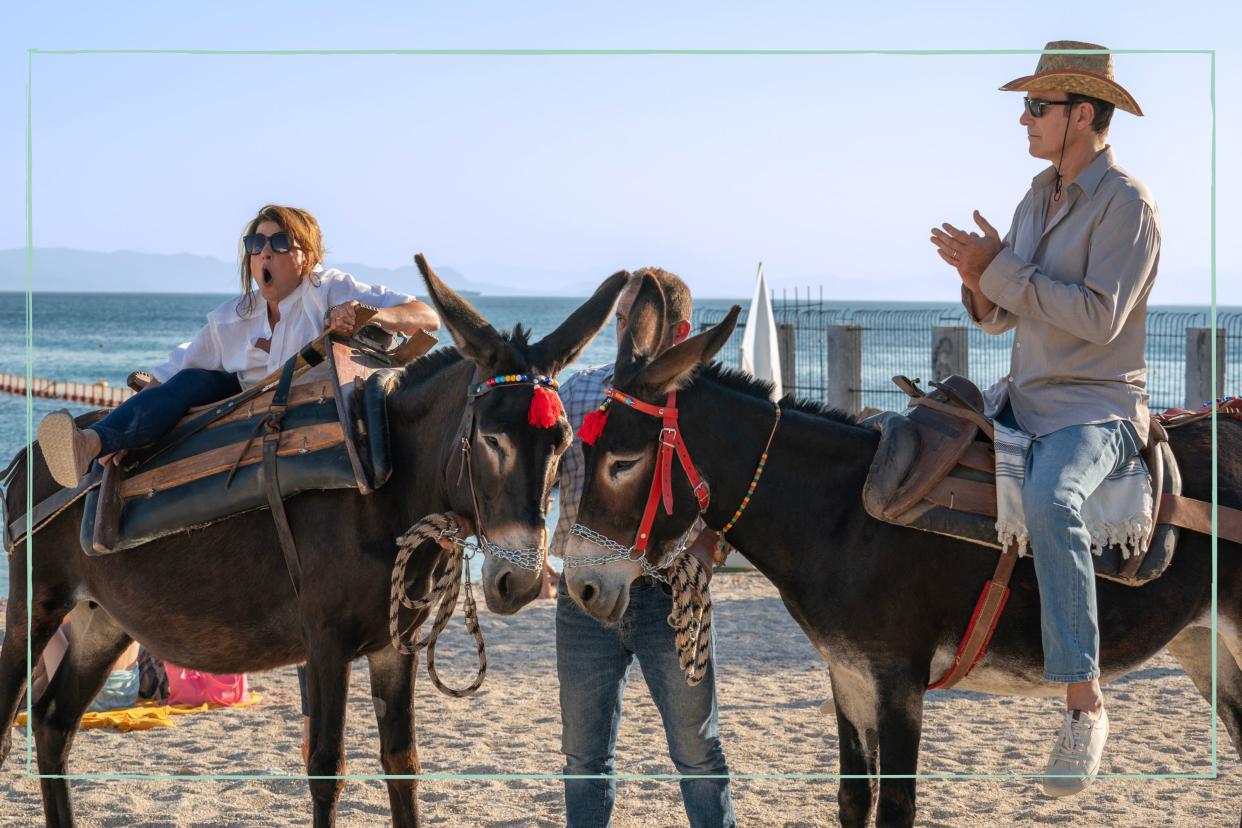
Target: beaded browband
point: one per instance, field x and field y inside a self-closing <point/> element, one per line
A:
<point x="545" y="403"/>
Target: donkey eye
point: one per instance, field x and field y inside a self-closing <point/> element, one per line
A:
<point x="491" y="441"/>
<point x="619" y="466"/>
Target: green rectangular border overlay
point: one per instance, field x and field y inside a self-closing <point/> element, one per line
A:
<point x="1211" y="53"/>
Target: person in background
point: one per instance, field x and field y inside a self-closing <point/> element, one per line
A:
<point x="593" y="661"/>
<point x="121" y="688"/>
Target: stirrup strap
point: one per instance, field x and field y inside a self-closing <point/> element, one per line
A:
<point x="270" y="482"/>
<point x="983" y="622"/>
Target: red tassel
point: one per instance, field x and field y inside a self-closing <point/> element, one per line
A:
<point x="545" y="408"/>
<point x="593" y="426"/>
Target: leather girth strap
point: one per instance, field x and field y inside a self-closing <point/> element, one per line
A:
<point x="270" y="482"/>
<point x="982" y="623"/>
<point x="1196" y="515"/>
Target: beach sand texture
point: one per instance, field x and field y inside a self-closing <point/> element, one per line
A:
<point x="772" y="686"/>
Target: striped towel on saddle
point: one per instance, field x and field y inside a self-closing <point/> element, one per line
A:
<point x="1117" y="513"/>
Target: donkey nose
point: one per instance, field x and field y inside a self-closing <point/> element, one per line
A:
<point x="588" y="592"/>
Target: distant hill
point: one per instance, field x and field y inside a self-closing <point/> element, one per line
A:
<point x="85" y="271"/>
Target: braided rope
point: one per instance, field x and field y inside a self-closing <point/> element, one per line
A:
<point x="691" y="616"/>
<point x="438" y="528"/>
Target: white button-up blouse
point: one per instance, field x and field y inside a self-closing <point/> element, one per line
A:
<point x="227" y="341"/>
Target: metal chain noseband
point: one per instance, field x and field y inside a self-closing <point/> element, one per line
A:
<point x="691" y="615"/>
<point x="530" y="558"/>
<point x="437" y="528"/>
<point x="620" y="552"/>
<point x="588" y="534"/>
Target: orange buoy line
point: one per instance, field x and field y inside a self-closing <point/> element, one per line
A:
<point x="84" y="393"/>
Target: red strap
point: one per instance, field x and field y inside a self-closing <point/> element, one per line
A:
<point x="670" y="439"/>
<point x="660" y="411"/>
<point x="644" y="528"/>
<point x="701" y="490"/>
<point x="662" y="482"/>
<point x="994" y="593"/>
<point x="982" y="623"/>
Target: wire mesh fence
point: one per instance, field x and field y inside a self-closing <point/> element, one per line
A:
<point x="819" y="342"/>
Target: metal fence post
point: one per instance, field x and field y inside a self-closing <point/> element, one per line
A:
<point x="786" y="344"/>
<point x="845" y="367"/>
<point x="950" y="351"/>
<point x="1199" y="365"/>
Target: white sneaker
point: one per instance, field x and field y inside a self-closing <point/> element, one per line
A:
<point x="1075" y="758"/>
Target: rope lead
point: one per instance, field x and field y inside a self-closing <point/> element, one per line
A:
<point x="438" y="528"/>
<point x="691" y="616"/>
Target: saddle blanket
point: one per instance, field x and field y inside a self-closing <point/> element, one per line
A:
<point x="1118" y="513"/>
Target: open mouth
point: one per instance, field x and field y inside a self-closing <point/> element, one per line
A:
<point x="267" y="276"/>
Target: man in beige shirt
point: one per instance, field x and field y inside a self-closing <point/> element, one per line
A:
<point x="1071" y="279"/>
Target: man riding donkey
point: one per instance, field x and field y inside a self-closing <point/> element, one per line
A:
<point x="593" y="660"/>
<point x="1071" y="279"/>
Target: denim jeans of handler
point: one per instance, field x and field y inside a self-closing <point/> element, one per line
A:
<point x="152" y="413"/>
<point x="593" y="663"/>
<point x="1062" y="469"/>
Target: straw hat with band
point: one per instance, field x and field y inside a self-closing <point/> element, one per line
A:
<point x="1090" y="75"/>
<point x="1077" y="74"/>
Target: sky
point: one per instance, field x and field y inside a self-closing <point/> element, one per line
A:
<point x="559" y="170"/>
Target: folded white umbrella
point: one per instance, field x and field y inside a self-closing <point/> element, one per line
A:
<point x="760" y="354"/>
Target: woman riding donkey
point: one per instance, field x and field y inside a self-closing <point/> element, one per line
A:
<point x="244" y="340"/>
<point x="474" y="430"/>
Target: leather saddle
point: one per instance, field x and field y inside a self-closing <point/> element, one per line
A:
<point x="935" y="466"/>
<point x="320" y="418"/>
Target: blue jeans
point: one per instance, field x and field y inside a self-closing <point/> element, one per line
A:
<point x="1062" y="469"/>
<point x="593" y="664"/>
<point x="147" y="416"/>
<point x="119" y="691"/>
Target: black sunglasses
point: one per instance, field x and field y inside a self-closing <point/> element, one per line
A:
<point x="255" y="242"/>
<point x="1035" y="106"/>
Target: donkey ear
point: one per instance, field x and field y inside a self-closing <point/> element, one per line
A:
<point x="645" y="325"/>
<point x="472" y="334"/>
<point x="562" y="346"/>
<point x="674" y="368"/>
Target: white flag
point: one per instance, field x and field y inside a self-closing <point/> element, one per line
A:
<point x="760" y="353"/>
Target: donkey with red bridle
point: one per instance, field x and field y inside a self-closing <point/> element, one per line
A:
<point x="885" y="605"/>
<point x="476" y="430"/>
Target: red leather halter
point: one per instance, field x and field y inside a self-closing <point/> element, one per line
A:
<point x="662" y="481"/>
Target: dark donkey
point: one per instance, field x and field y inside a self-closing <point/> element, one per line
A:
<point x="885" y="606"/>
<point x="220" y="598"/>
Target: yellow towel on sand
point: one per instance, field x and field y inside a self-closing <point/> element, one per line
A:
<point x="143" y="716"/>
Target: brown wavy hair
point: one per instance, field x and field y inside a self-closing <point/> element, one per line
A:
<point x="304" y="234"/>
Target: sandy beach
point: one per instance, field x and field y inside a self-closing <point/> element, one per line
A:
<point x="772" y="689"/>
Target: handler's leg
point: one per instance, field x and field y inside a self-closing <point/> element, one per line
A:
<point x="592" y="665"/>
<point x="1063" y="469"/>
<point x="689" y="713"/>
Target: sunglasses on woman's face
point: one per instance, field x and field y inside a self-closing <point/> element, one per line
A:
<point x="255" y="242"/>
<point x="1035" y="106"/>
